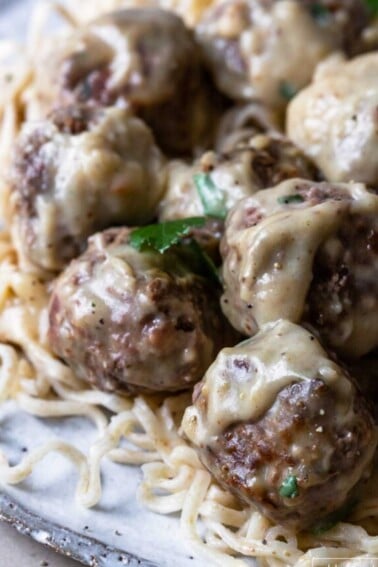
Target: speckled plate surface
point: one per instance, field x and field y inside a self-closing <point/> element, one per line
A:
<point x="82" y="548"/>
<point x="118" y="531"/>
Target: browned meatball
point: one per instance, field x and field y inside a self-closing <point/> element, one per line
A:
<point x="269" y="49"/>
<point x="265" y="160"/>
<point x="305" y="251"/>
<point x="145" y="59"/>
<point x="345" y="282"/>
<point x="220" y="180"/>
<point x="365" y="371"/>
<point x="282" y="426"/>
<point x="77" y="172"/>
<point x="133" y="321"/>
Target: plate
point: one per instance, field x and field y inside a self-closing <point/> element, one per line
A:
<point x="118" y="531"/>
<point x="81" y="548"/>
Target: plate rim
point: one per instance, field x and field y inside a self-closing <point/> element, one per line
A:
<point x="85" y="549"/>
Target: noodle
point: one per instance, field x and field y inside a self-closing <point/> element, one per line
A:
<point x="141" y="431"/>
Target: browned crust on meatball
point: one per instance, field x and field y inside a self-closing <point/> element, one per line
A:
<point x="279" y="159"/>
<point x="120" y="347"/>
<point x="346" y="278"/>
<point x="253" y="459"/>
<point x="169" y="89"/>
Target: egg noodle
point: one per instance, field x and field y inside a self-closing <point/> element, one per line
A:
<point x="174" y="481"/>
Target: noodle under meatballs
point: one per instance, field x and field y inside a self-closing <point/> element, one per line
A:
<point x="305" y="251"/>
<point x="79" y="171"/>
<point x="282" y="426"/>
<point x="133" y="321"/>
<point x="269" y="49"/>
<point x="145" y="59"/>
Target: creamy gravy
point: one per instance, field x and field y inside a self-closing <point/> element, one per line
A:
<point x="271" y="262"/>
<point x="244" y="381"/>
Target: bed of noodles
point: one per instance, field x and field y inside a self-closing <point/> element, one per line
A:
<point x="174" y="481"/>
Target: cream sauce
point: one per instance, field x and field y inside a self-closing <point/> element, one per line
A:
<point x="335" y="121"/>
<point x="269" y="267"/>
<point x="233" y="176"/>
<point x="244" y="381"/>
<point x="284" y="44"/>
<point x="278" y="42"/>
<point x="111" y="174"/>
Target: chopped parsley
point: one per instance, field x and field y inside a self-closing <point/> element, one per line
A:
<point x="212" y="197"/>
<point x="204" y="265"/>
<point x="160" y="237"/>
<point x="334" y="518"/>
<point x="320" y="13"/>
<point x="287" y="90"/>
<point x="289" y="487"/>
<point x="373" y="6"/>
<point x="288" y="199"/>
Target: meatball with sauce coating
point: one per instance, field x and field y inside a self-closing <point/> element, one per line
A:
<point x="132" y="321"/>
<point x="282" y="426"/>
<point x="227" y="177"/>
<point x="265" y="160"/>
<point x="145" y="59"/>
<point x="335" y="120"/>
<point x="305" y="251"/>
<point x="77" y="172"/>
<point x="365" y="371"/>
<point x="269" y="49"/>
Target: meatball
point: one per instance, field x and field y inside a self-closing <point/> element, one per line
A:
<point x="77" y="172"/>
<point x="132" y="321"/>
<point x="145" y="59"/>
<point x="264" y="161"/>
<point x="365" y="371"/>
<point x="268" y="49"/>
<point x="335" y="120"/>
<point x="282" y="426"/>
<point x="305" y="251"/>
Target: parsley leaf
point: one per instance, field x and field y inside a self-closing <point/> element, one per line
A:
<point x="334" y="518"/>
<point x="287" y="90"/>
<point x="212" y="197"/>
<point x="288" y="199"/>
<point x="289" y="487"/>
<point x="160" y="237"/>
<point x="373" y="6"/>
<point x="205" y="264"/>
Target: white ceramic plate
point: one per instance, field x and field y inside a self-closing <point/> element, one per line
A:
<point x="118" y="531"/>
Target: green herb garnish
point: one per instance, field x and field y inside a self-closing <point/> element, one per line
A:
<point x="160" y="237"/>
<point x="212" y="197"/>
<point x="287" y="90"/>
<point x="334" y="518"/>
<point x="289" y="487"/>
<point x="320" y="13"/>
<point x="288" y="199"/>
<point x="203" y="263"/>
<point x="373" y="6"/>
